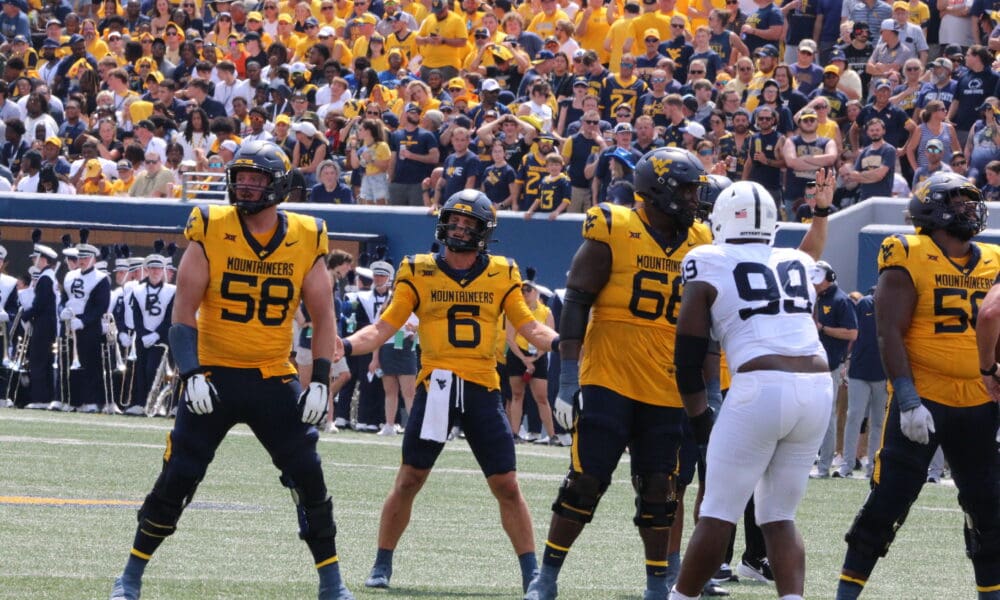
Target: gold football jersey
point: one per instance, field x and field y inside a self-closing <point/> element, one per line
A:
<point x="941" y="340"/>
<point x="459" y="315"/>
<point x="245" y="318"/>
<point x="629" y="345"/>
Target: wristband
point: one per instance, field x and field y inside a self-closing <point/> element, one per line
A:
<point x="321" y="371"/>
<point x="348" y="347"/>
<point x="554" y="347"/>
<point x="905" y="393"/>
<point x="184" y="348"/>
<point x="822" y="211"/>
<point x="989" y="372"/>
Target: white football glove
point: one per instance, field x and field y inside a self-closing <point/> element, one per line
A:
<point x="563" y="413"/>
<point x="75" y="324"/>
<point x="199" y="394"/>
<point x="917" y="424"/>
<point x="313" y="403"/>
<point x="66" y="314"/>
<point x="149" y="339"/>
<point x="124" y="339"/>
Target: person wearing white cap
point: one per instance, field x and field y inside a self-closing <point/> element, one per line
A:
<point x="8" y="288"/>
<point x="309" y="151"/>
<point x="369" y="304"/>
<point x="230" y="339"/>
<point x="890" y="53"/>
<point x="396" y="359"/>
<point x="40" y="311"/>
<point x="148" y="314"/>
<point x="87" y="294"/>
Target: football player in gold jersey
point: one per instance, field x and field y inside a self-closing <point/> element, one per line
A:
<point x="628" y="270"/>
<point x="459" y="296"/>
<point x="238" y="285"/>
<point x="931" y="289"/>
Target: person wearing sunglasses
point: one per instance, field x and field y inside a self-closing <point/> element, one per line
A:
<point x="765" y="162"/>
<point x="622" y="89"/>
<point x="804" y="154"/>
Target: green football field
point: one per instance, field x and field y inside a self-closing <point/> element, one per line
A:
<point x="70" y="485"/>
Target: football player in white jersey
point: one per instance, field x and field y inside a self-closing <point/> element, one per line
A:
<point x="757" y="301"/>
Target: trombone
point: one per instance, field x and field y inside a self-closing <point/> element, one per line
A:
<point x="111" y="362"/>
<point x="161" y="391"/>
<point x="19" y="367"/>
<point x="128" y="374"/>
<point x="5" y="338"/>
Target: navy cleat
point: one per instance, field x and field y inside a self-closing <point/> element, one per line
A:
<point x="541" y="589"/>
<point x="379" y="577"/>
<point x="122" y="591"/>
<point x="341" y="593"/>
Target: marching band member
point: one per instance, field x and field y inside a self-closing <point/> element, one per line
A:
<point x="148" y="313"/>
<point x="40" y="312"/>
<point x="87" y="295"/>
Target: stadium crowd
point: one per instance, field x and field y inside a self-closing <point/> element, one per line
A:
<point x="544" y="105"/>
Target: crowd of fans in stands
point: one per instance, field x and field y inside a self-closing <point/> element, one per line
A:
<point x="545" y="105"/>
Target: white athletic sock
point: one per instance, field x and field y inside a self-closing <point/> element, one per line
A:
<point x="675" y="595"/>
<point x="791" y="597"/>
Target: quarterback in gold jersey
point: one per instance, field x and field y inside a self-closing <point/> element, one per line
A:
<point x="238" y="285"/>
<point x="459" y="296"/>
<point x="931" y="290"/>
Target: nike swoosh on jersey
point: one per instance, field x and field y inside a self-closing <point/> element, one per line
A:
<point x="493" y="274"/>
<point x="287" y="244"/>
<point x="287" y="379"/>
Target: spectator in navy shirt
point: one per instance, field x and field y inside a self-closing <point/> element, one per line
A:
<point x="330" y="189"/>
<point x="765" y="26"/>
<point x="461" y="168"/>
<point x="875" y="167"/>
<point x="941" y="86"/>
<point x="973" y="88"/>
<point x="866" y="390"/>
<point x="838" y="327"/>
<point x="498" y="179"/>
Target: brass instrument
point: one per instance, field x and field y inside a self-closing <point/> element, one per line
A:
<point x="128" y="377"/>
<point x="161" y="391"/>
<point x="111" y="361"/>
<point x="62" y="356"/>
<point x="75" y="363"/>
<point x="5" y="338"/>
<point x="19" y="367"/>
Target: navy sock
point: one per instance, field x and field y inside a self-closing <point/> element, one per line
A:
<point x="529" y="567"/>
<point x="848" y="589"/>
<point x="656" y="576"/>
<point x="673" y="568"/>
<point x="553" y="557"/>
<point x="992" y="595"/>
<point x="383" y="558"/>
<point x="329" y="575"/>
<point x="134" y="568"/>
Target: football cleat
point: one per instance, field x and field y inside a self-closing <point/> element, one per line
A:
<point x="121" y="591"/>
<point x="755" y="570"/>
<point x="541" y="589"/>
<point x="724" y="574"/>
<point x="379" y="577"/>
<point x="341" y="593"/>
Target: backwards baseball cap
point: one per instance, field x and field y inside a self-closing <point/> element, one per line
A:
<point x="935" y="143"/>
<point x="944" y="63"/>
<point x="767" y="50"/>
<point x="890" y="25"/>
<point x="695" y="129"/>
<point x="623" y="128"/>
<point x="490" y="85"/>
<point x="823" y="272"/>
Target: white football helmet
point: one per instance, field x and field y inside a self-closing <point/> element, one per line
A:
<point x="744" y="211"/>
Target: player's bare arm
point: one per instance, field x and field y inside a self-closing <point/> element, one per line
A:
<point x="192" y="281"/>
<point x="368" y="338"/>
<point x="588" y="273"/>
<point x="693" y="327"/>
<point x="895" y="301"/>
<point x="987" y="336"/>
<point x="319" y="302"/>
<point x="815" y="238"/>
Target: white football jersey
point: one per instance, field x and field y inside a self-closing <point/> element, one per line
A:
<point x="764" y="300"/>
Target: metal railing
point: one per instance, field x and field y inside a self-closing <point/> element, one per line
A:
<point x="203" y="186"/>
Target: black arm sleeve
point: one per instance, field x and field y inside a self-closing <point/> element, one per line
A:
<point x="575" y="314"/>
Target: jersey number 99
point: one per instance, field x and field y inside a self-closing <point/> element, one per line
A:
<point x="755" y="282"/>
<point x="275" y="295"/>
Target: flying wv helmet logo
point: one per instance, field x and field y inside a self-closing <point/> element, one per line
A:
<point x="661" y="166"/>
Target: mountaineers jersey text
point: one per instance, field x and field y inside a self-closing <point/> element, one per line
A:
<point x="944" y="319"/>
<point x="639" y="304"/>
<point x="459" y="316"/>
<point x="244" y="319"/>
